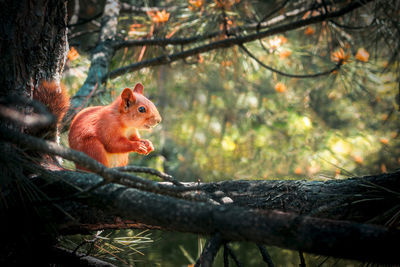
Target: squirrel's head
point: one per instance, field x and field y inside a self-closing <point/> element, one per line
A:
<point x="137" y="111"/>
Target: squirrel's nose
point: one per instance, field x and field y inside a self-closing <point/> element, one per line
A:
<point x="158" y="120"/>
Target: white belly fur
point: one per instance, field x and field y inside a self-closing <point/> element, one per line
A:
<point x="121" y="159"/>
<point x="117" y="159"/>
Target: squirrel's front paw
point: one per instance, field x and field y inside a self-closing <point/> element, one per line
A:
<point x="140" y="147"/>
<point x="148" y="144"/>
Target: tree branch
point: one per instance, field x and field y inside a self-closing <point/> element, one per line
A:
<point x="84" y="21"/>
<point x="233" y="256"/>
<point x="164" y="176"/>
<point x="232" y="41"/>
<point x="309" y="234"/>
<point x="235" y="223"/>
<point x="317" y="198"/>
<point x="127" y="8"/>
<point x="313" y="75"/>
<point x="265" y="255"/>
<point x="229" y="32"/>
<point x="210" y="251"/>
<point x="302" y="260"/>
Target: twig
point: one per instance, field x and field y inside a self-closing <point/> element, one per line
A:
<point x="84" y="21"/>
<point x="79" y="34"/>
<point x="96" y="237"/>
<point x="302" y="260"/>
<point x="348" y="27"/>
<point x="226" y="256"/>
<point x="233" y="256"/>
<point x="270" y="14"/>
<point x="314" y="75"/>
<point x="164" y="176"/>
<point x="266" y="17"/>
<point x="265" y="255"/>
<point x="210" y="250"/>
<point x="127" y="8"/>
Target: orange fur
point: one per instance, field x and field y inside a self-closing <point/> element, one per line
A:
<point x="54" y="96"/>
<point x="109" y="133"/>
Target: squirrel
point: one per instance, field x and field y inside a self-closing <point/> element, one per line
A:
<point x="109" y="133"/>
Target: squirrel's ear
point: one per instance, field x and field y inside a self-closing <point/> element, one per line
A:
<point x="128" y="99"/>
<point x="138" y="88"/>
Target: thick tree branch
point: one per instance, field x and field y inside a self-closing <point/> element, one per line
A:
<point x="234" y="223"/>
<point x="232" y="41"/>
<point x="356" y="199"/>
<point x="377" y="194"/>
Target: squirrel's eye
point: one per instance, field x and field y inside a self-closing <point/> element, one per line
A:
<point x="142" y="109"/>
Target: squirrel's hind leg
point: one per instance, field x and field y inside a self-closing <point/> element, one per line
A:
<point x="94" y="149"/>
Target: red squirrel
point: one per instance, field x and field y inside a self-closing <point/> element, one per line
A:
<point x="109" y="133"/>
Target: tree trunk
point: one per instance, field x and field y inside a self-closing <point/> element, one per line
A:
<point x="33" y="44"/>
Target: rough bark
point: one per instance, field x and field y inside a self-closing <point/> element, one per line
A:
<point x="356" y="199"/>
<point x="29" y="31"/>
<point x="33" y="44"/>
<point x="258" y="213"/>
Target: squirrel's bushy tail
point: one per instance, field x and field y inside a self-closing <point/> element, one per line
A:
<point x="54" y="96"/>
